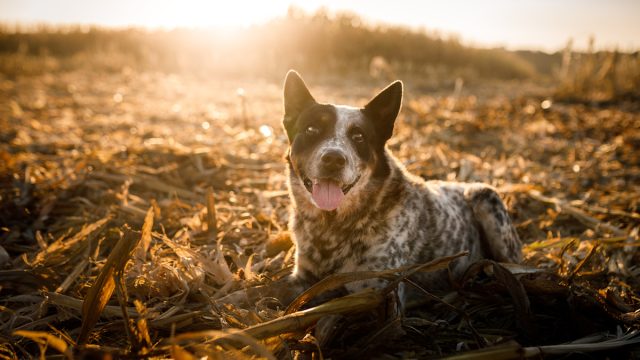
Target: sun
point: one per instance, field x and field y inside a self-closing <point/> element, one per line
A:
<point x="193" y="13"/>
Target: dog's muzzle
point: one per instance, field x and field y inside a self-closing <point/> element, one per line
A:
<point x="327" y="193"/>
<point x="308" y="183"/>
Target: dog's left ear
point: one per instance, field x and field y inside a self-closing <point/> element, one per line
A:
<point x="384" y="107"/>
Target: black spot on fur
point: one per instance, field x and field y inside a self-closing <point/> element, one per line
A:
<point x="500" y="216"/>
<point x="365" y="148"/>
<point x="382" y="169"/>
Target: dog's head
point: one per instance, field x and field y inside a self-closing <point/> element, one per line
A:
<point x="336" y="150"/>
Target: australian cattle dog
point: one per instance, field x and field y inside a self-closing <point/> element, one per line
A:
<point x="355" y="207"/>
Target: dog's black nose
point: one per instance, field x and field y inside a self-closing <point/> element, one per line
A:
<point x="333" y="160"/>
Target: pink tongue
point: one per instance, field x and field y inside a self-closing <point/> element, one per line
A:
<point x="327" y="195"/>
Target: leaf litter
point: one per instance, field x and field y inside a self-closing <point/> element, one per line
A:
<point x="170" y="192"/>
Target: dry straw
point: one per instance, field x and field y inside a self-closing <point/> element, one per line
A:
<point x="186" y="223"/>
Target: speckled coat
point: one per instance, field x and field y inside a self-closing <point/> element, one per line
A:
<point x="388" y="218"/>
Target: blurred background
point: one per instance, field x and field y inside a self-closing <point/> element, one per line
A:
<point x="578" y="44"/>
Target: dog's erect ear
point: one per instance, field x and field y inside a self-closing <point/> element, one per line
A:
<point x="384" y="107"/>
<point x="296" y="98"/>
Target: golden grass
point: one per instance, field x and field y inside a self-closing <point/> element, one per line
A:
<point x="599" y="76"/>
<point x="326" y="44"/>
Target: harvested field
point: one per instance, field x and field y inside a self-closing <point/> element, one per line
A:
<point x="136" y="206"/>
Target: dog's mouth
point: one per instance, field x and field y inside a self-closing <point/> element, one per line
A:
<point x="308" y="184"/>
<point x="327" y="193"/>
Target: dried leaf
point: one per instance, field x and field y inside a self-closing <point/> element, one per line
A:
<point x="336" y="281"/>
<point x="44" y="338"/>
<point x="236" y="338"/>
<point x="103" y="288"/>
<point x="212" y="217"/>
<point x="179" y="353"/>
<point x="145" y="239"/>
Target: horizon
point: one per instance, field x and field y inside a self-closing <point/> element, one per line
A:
<point x="541" y="25"/>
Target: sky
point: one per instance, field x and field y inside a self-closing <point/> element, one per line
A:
<point x="515" y="24"/>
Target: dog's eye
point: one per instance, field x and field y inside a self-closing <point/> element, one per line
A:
<point x="357" y="137"/>
<point x="312" y="130"/>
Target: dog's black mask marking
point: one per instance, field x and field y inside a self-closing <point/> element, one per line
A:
<point x="303" y="112"/>
<point x="320" y="116"/>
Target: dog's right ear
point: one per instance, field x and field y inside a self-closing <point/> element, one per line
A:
<point x="296" y="98"/>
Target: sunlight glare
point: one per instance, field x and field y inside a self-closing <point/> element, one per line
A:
<point x="192" y="13"/>
<point x="266" y="130"/>
<point x="514" y="24"/>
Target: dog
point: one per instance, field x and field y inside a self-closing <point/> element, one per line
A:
<point x="354" y="206"/>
